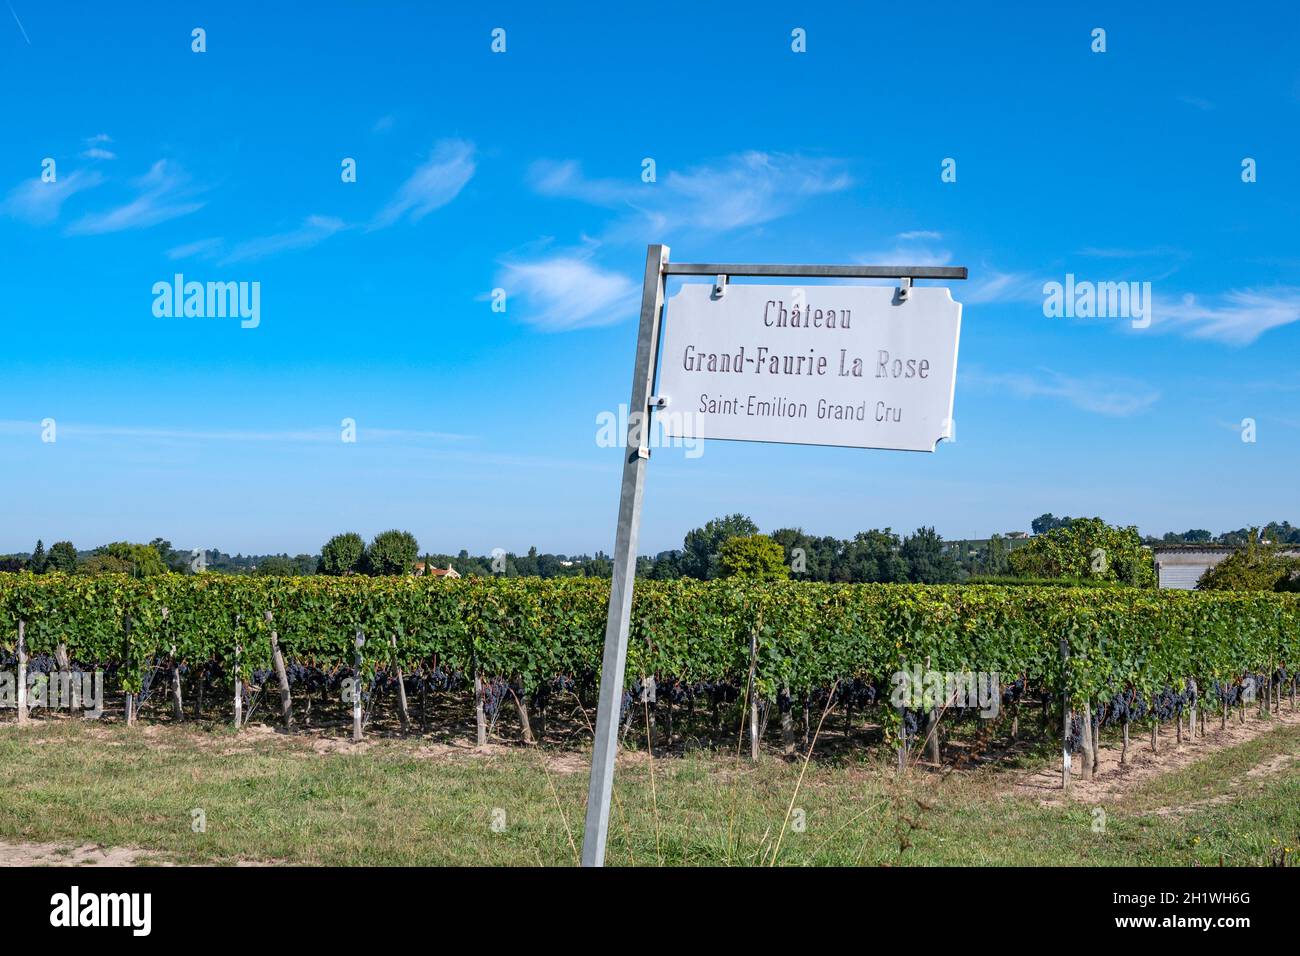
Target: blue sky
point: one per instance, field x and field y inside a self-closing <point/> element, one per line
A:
<point x="522" y="171"/>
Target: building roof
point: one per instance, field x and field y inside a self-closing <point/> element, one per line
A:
<point x="436" y="572"/>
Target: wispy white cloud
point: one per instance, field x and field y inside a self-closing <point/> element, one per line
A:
<point x="906" y="255"/>
<point x="164" y="193"/>
<point x="1101" y="394"/>
<point x="314" y="230"/>
<point x="39" y="203"/>
<point x="748" y="189"/>
<point x="565" y="290"/>
<point x="1005" y="287"/>
<point x="382" y="125"/>
<point x="203" y="249"/>
<point x="434" y="183"/>
<point x="1238" y="317"/>
<point x="1197" y="101"/>
<point x="20" y="25"/>
<point x="95" y="148"/>
<point x="919" y="234"/>
<point x="1123" y="253"/>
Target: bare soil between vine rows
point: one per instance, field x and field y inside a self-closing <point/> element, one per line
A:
<point x="1111" y="781"/>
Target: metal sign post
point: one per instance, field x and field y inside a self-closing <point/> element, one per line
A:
<point x="636" y="457"/>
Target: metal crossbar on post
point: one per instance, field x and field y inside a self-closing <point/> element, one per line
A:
<point x="813" y="271"/>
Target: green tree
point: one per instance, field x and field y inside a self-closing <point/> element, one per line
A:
<point x="1087" y="548"/>
<point x="667" y="566"/>
<point x="1256" y="567"/>
<point x="755" y="557"/>
<point x="995" y="559"/>
<point x="62" y="557"/>
<point x="101" y="563"/>
<point x="342" y="554"/>
<point x="177" y="561"/>
<point x="392" y="552"/>
<point x="873" y="557"/>
<point x="277" y="565"/>
<point x="701" y="547"/>
<point x="1048" y="522"/>
<point x="812" y="558"/>
<point x="928" y="562"/>
<point x="124" y="557"/>
<point x="37" y="564"/>
<point x="1192" y="536"/>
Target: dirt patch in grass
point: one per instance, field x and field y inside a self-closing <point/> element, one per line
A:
<point x="64" y="854"/>
<point x="1111" y="781"/>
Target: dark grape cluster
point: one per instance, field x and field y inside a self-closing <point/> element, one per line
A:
<point x="440" y="680"/>
<point x="718" y="692"/>
<point x="1074" y="739"/>
<point x="674" y="691"/>
<point x="854" y="693"/>
<point x="496" y="691"/>
<point x="1013" y="692"/>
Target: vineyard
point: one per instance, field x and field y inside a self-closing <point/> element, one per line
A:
<point x="1119" y="655"/>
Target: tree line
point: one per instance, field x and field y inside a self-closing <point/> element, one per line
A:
<point x="1079" y="550"/>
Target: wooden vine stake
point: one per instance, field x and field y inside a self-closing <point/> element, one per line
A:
<point x="178" y="708"/>
<point x="130" y="697"/>
<point x="932" y="726"/>
<point x="1095" y="724"/>
<point x="526" y="728"/>
<point x="65" y="674"/>
<point x="277" y="658"/>
<point x="753" y="694"/>
<point x="22" y="672"/>
<point x="902" y="742"/>
<point x="401" y="688"/>
<point x="238" y="692"/>
<point x="1086" y="727"/>
<point x="174" y="672"/>
<point x="356" y="688"/>
<point x="480" y="715"/>
<point x="787" y="722"/>
<point x="1065" y="717"/>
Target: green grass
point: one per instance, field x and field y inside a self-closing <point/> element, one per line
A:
<point x="275" y="798"/>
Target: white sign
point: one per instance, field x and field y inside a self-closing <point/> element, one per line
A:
<point x="815" y="365"/>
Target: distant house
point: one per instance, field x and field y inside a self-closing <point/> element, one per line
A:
<point x="447" y="572"/>
<point x="1016" y="535"/>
